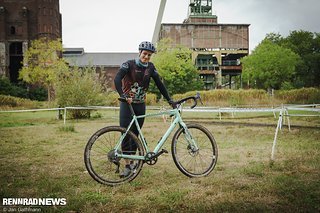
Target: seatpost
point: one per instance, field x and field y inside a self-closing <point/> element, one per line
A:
<point x="130" y="106"/>
<point x="131" y="109"/>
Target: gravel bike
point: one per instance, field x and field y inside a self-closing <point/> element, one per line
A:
<point x="193" y="148"/>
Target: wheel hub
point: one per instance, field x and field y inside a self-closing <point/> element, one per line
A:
<point x="192" y="150"/>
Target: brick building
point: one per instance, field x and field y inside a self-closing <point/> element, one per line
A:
<point x="217" y="48"/>
<point x="22" y="21"/>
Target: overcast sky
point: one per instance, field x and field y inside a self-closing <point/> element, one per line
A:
<point x="120" y="25"/>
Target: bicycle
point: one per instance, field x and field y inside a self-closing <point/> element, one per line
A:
<point x="193" y="148"/>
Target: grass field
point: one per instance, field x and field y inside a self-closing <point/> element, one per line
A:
<point x="40" y="158"/>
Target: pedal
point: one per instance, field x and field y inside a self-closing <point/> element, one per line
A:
<point x="160" y="153"/>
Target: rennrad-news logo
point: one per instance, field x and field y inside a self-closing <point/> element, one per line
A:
<point x="34" y="201"/>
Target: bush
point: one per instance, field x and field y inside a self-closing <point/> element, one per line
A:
<point x="7" y="88"/>
<point x="79" y="88"/>
<point x="299" y="96"/>
<point x="9" y="101"/>
<point x="226" y="97"/>
<point x="38" y="93"/>
<point x="21" y="90"/>
<point x="112" y="99"/>
<point x="256" y="97"/>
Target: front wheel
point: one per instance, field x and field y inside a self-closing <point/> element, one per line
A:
<point x="194" y="161"/>
<point x="101" y="159"/>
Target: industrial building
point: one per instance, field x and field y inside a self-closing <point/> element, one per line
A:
<point x="20" y="23"/>
<point x="217" y="48"/>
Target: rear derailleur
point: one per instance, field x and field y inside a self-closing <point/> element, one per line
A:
<point x="114" y="159"/>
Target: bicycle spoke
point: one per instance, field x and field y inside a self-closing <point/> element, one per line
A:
<point x="190" y="160"/>
<point x="100" y="156"/>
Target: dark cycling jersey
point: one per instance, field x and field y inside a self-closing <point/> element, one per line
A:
<point x="133" y="81"/>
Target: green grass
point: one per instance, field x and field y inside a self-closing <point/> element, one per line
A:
<point x="40" y="157"/>
<point x="67" y="128"/>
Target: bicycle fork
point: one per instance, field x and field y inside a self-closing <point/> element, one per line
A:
<point x="192" y="144"/>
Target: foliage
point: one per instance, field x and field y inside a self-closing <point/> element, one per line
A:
<point x="37" y="93"/>
<point x="307" y="46"/>
<point x="299" y="96"/>
<point x="67" y="128"/>
<point x="7" y="88"/>
<point x="79" y="87"/>
<point x="255" y="97"/>
<point x="112" y="99"/>
<point x="22" y="90"/>
<point x="175" y="66"/>
<point x="269" y="66"/>
<point x="9" y="101"/>
<point x="42" y="63"/>
<point x="225" y="97"/>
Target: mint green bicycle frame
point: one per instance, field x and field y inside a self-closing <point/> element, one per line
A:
<point x="134" y="121"/>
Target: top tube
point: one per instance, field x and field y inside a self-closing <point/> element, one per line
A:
<point x="176" y="103"/>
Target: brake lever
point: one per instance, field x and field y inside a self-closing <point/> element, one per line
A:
<point x="195" y="103"/>
<point x="200" y="100"/>
<point x="198" y="97"/>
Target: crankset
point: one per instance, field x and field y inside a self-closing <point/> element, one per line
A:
<point x="152" y="158"/>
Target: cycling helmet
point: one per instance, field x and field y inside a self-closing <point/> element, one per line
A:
<point x="146" y="45"/>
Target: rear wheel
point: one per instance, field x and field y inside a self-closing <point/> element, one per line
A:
<point x="192" y="161"/>
<point x="100" y="156"/>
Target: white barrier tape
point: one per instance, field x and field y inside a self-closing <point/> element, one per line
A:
<point x="301" y="105"/>
<point x="92" y="107"/>
<point x="304" y="109"/>
<point x="232" y="110"/>
<point x="197" y="109"/>
<point x="31" y="110"/>
<point x="300" y="115"/>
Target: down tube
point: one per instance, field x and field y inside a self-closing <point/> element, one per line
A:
<point x="166" y="135"/>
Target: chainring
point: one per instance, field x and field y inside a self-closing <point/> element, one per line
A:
<point x="151" y="159"/>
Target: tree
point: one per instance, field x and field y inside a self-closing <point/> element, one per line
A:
<point x="270" y="66"/>
<point x="307" y="46"/>
<point x="79" y="87"/>
<point x="275" y="38"/>
<point x="175" y="66"/>
<point x="42" y="64"/>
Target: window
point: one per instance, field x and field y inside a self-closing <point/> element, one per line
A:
<point x="12" y="30"/>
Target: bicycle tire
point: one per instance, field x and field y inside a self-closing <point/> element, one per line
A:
<point x="97" y="151"/>
<point x="194" y="163"/>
